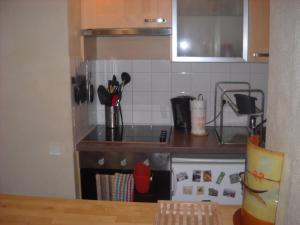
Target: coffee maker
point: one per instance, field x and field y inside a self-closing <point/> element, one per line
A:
<point x="181" y="112"/>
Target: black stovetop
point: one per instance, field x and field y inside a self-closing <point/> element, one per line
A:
<point x="131" y="133"/>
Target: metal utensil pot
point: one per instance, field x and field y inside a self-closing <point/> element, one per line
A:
<point x="112" y="116"/>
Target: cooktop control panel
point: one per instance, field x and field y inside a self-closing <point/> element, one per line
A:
<point x="131" y="134"/>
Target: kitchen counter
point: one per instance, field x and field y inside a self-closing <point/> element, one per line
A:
<point x="181" y="142"/>
<point x="49" y="211"/>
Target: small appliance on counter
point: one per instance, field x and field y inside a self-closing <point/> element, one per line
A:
<point x="182" y="112"/>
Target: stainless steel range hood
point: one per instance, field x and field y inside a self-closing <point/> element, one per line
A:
<point x="127" y="32"/>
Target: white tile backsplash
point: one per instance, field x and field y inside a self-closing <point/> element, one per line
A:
<point x="160" y="82"/>
<point x="141" y="66"/>
<point x="160" y="66"/>
<point x="259" y="68"/>
<point x="104" y="66"/>
<point x="201" y="82"/>
<point x="141" y="101"/>
<point x="127" y="116"/>
<point x="146" y="99"/>
<point x="239" y="68"/>
<point x="220" y="67"/>
<point x="160" y="101"/>
<point x="120" y="66"/>
<point x="181" y="67"/>
<point x="201" y="67"/>
<point x="141" y="117"/>
<point x="161" y="118"/>
<point x="181" y="84"/>
<point x="141" y="81"/>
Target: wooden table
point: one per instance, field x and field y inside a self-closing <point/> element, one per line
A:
<point x="17" y="210"/>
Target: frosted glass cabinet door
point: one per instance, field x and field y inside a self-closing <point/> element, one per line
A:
<point x="210" y="30"/>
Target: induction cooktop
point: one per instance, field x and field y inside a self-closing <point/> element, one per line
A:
<point x="131" y="134"/>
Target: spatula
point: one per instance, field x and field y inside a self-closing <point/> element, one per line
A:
<point x="104" y="96"/>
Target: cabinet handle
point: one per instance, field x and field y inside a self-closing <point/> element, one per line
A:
<point x="101" y="162"/>
<point x="155" y="20"/>
<point x="260" y="54"/>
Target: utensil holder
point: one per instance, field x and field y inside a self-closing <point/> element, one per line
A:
<point x="112" y="116"/>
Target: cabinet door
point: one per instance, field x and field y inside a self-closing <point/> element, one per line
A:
<point x="164" y="10"/>
<point x="258" y="43"/>
<point x="125" y="13"/>
<point x="209" y="30"/>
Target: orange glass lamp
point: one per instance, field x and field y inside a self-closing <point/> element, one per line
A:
<point x="261" y="183"/>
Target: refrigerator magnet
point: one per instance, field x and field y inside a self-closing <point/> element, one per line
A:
<point x="213" y="192"/>
<point x="182" y="176"/>
<point x="220" y="178"/>
<point x="187" y="190"/>
<point x="234" y="178"/>
<point x="229" y="193"/>
<point x="196" y="175"/>
<point x="200" y="190"/>
<point x="207" y="175"/>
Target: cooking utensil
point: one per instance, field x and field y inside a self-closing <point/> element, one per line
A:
<point x="114" y="80"/>
<point x="83" y="92"/>
<point x="114" y="100"/>
<point x="104" y="96"/>
<point x="91" y="93"/>
<point x="125" y="78"/>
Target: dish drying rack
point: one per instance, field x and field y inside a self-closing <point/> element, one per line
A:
<point x="224" y="92"/>
<point x="188" y="213"/>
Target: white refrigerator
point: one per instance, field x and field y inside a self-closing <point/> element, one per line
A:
<point x="215" y="180"/>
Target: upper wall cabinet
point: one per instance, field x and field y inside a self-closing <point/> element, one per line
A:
<point x="126" y="13"/>
<point x="210" y="30"/>
<point x="259" y="17"/>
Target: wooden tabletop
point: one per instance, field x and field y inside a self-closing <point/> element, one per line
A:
<point x="28" y="210"/>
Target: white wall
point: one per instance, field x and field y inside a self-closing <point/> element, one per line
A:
<point x="146" y="99"/>
<point x="36" y="134"/>
<point x="284" y="103"/>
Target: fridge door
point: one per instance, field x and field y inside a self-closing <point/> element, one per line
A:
<point x="215" y="180"/>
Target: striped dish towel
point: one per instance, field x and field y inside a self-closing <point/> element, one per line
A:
<point x="104" y="186"/>
<point x="98" y="187"/>
<point x="123" y="187"/>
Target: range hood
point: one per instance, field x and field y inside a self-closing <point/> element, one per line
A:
<point x="127" y="32"/>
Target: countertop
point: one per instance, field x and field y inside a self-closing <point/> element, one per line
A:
<point x="181" y="142"/>
<point x="50" y="211"/>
